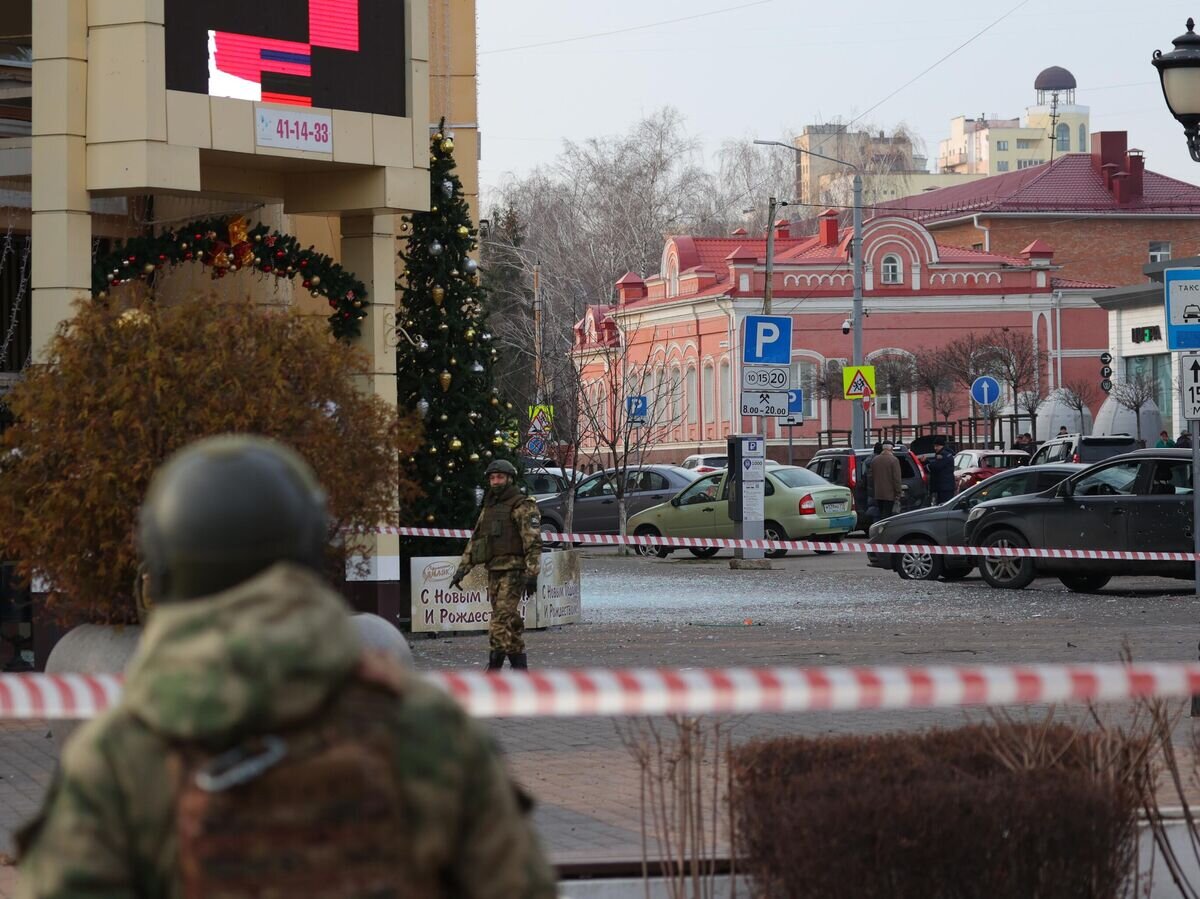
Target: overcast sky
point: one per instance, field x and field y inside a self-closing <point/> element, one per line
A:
<point x="767" y="68"/>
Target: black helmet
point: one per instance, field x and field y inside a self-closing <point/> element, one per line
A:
<point x="225" y="508"/>
<point x="502" y="466"/>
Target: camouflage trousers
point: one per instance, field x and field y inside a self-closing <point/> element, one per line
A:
<point x="506" y="590"/>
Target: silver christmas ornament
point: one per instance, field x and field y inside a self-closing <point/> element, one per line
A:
<point x="477" y="368"/>
<point x="471" y="266"/>
<point x="478" y="495"/>
<point x="435" y="248"/>
<point x="448" y="188"/>
<point x="422" y="407"/>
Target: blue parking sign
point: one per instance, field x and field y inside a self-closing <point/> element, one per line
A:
<point x="795" y="402"/>
<point x="767" y="340"/>
<point x="637" y="407"/>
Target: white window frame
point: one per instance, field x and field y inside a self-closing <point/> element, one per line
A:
<point x="891" y="270"/>
<point x="1002" y="165"/>
<point x="727" y="391"/>
<point x="692" y="394"/>
<point x="1160" y="251"/>
<point x="1062" y="138"/>
<point x="676" y="387"/>
<point x="708" y="380"/>
<point x="891" y="405"/>
<point x="1001" y="145"/>
<point x="804" y="374"/>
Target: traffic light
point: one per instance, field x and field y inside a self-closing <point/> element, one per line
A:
<point x="1106" y="372"/>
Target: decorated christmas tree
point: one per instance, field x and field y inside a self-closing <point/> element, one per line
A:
<point x="445" y="354"/>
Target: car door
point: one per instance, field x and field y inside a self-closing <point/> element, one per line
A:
<point x="1093" y="515"/>
<point x="645" y="488"/>
<point x="955" y="521"/>
<point x="694" y="515"/>
<point x="1160" y="515"/>
<point x="596" y="505"/>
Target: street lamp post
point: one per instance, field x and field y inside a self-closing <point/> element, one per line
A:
<point x="1179" y="73"/>
<point x="857" y="422"/>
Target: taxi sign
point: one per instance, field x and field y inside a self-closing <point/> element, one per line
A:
<point x="858" y="381"/>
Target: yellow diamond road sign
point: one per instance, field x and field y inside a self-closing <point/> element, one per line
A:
<point x="858" y="381"/>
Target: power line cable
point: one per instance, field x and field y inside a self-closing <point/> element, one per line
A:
<point x="599" y="34"/>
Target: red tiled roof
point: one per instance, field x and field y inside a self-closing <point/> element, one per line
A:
<point x="1068" y="184"/>
<point x="1076" y="284"/>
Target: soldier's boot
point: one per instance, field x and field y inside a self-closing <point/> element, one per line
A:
<point x="495" y="660"/>
<point x="518" y="661"/>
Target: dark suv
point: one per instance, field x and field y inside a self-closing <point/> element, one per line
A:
<point x="1138" y="502"/>
<point x="846" y="467"/>
<point x="1077" y="448"/>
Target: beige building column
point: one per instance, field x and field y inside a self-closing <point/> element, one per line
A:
<point x="369" y="251"/>
<point x="61" y="213"/>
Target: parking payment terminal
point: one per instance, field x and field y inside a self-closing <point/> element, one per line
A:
<point x="747" y="489"/>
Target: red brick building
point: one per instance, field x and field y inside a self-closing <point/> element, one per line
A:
<point x="676" y="336"/>
<point x="1104" y="213"/>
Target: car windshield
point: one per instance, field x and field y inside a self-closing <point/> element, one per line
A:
<point x="799" y="477"/>
<point x="715" y="461"/>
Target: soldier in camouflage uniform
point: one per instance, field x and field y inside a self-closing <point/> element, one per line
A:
<point x="257" y="750"/>
<point x="508" y="540"/>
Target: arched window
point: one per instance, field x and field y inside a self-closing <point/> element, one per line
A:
<point x="710" y="397"/>
<point x="693" y="402"/>
<point x="892" y="273"/>
<point x="673" y="277"/>
<point x="1064" y="137"/>
<point x="1082" y="137"/>
<point x="676" y="397"/>
<point x="726" y="391"/>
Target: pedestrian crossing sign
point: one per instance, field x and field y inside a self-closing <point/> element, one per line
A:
<point x="858" y="381"/>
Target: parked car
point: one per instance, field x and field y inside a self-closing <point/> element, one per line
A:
<point x="975" y="465"/>
<point x="543" y="483"/>
<point x="944" y="525"/>
<point x="1078" y="448"/>
<point x="1141" y="501"/>
<point x="841" y="466"/>
<point x="706" y="463"/>
<point x="798" y="505"/>
<point x="596" y="498"/>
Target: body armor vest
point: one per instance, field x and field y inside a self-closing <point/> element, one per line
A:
<point x="497" y="534"/>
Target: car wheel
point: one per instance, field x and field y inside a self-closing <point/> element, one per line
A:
<point x="703" y="552"/>
<point x="1084" y="583"/>
<point x="549" y="526"/>
<point x="772" y="531"/>
<point x="648" y="530"/>
<point x="1006" y="572"/>
<point x="919" y="566"/>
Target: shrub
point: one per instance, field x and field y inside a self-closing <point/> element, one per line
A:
<point x="124" y="388"/>
<point x="939" y="815"/>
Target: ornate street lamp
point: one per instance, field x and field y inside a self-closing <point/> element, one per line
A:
<point x="1179" y="72"/>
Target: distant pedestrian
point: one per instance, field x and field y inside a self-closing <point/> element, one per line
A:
<point x="1184" y="440"/>
<point x="508" y="541"/>
<point x="1062" y="430"/>
<point x="941" y="472"/>
<point x="885" y="473"/>
<point x="1164" y="439"/>
<point x="1024" y="443"/>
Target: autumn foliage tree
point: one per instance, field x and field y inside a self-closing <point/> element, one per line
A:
<point x="124" y="388"/>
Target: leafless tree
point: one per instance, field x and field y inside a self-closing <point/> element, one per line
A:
<point x="747" y="174"/>
<point x="826" y="384"/>
<point x="931" y="375"/>
<point x="616" y="438"/>
<point x="1080" y="396"/>
<point x="1016" y="361"/>
<point x="1028" y="402"/>
<point x="1135" y="393"/>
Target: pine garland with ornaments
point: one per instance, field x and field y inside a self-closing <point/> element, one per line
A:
<point x="229" y="245"/>
<point x="445" y="353"/>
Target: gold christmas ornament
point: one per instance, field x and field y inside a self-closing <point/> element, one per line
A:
<point x="238" y="229"/>
<point x="497" y="440"/>
<point x="439" y="295"/>
<point x="444" y="379"/>
<point x="437" y="479"/>
<point x="495" y="402"/>
<point x="487" y="454"/>
<point x="405" y="226"/>
<point x="455" y="444"/>
<point x="469" y="334"/>
<point x="430" y="519"/>
<point x="314" y="280"/>
<point x="474" y="457"/>
<point x="444" y="417"/>
<point x="433" y="451"/>
<point x="447" y="145"/>
<point x="453" y="361"/>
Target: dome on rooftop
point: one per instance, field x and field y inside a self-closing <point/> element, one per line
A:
<point x="1055" y="78"/>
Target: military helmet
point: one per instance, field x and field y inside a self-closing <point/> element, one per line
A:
<point x="225" y="508"/>
<point x="502" y="466"/>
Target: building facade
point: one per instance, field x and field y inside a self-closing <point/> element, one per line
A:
<point x="1104" y="212"/>
<point x="676" y="337"/>
<point x="990" y="145"/>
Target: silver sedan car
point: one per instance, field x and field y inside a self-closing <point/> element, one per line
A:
<point x="596" y="498"/>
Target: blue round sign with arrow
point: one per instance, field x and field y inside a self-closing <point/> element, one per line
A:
<point x="985" y="390"/>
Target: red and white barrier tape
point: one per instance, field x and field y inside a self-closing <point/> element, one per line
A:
<point x="848" y="547"/>
<point x="630" y="692"/>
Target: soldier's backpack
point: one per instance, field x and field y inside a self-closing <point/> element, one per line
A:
<point x="314" y="811"/>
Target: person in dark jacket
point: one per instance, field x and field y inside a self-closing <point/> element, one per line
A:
<point x="941" y="472"/>
<point x="1184" y="441"/>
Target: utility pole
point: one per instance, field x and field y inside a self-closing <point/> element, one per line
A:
<point x="537" y="333"/>
<point x="857" y="429"/>
<point x="770" y="254"/>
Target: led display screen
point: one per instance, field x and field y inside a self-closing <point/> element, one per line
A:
<point x="339" y="54"/>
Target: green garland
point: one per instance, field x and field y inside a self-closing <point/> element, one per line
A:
<point x="225" y="245"/>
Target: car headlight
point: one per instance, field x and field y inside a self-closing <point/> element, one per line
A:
<point x="977" y="512"/>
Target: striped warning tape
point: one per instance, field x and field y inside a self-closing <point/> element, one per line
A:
<point x="848" y="547"/>
<point x="629" y="692"/>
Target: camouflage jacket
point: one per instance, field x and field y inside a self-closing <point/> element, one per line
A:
<point x="528" y="523"/>
<point x="264" y="654"/>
